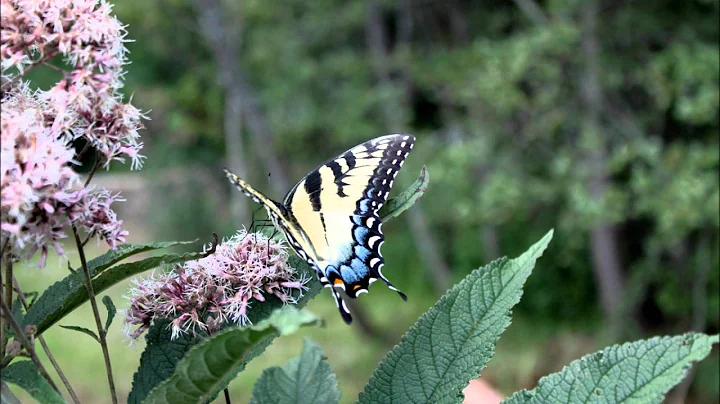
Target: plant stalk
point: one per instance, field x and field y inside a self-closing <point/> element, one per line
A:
<point x="8" y="271"/>
<point x="6" y="85"/>
<point x="46" y="348"/>
<point x="96" y="314"/>
<point x="8" y="284"/>
<point x="20" y="335"/>
<point x="227" y="396"/>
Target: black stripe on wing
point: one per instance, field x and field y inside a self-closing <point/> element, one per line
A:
<point x="396" y="150"/>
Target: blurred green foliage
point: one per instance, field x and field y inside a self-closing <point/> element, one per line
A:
<point x="495" y="99"/>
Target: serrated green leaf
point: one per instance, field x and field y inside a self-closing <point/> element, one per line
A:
<point x="210" y="365"/>
<point x="637" y="372"/>
<point x="82" y="330"/>
<point x="395" y="206"/>
<point x="25" y="375"/>
<point x="454" y="340"/>
<point x="111" y="311"/>
<point x="161" y="354"/>
<point x="66" y="295"/>
<point x="305" y="379"/>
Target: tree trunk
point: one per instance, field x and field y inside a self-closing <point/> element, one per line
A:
<point x="262" y="139"/>
<point x="241" y="102"/>
<point x="394" y="117"/>
<point x="224" y="40"/>
<point x="603" y="237"/>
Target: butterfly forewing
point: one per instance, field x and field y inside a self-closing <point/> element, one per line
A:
<point x="338" y="203"/>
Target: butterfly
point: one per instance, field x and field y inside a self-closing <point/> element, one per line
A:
<point x="330" y="218"/>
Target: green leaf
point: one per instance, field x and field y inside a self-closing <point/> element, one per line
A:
<point x="111" y="311"/>
<point x="395" y="206"/>
<point x="209" y="366"/>
<point x="162" y="354"/>
<point x="454" y="340"/>
<point x="305" y="379"/>
<point x="637" y="372"/>
<point x="82" y="330"/>
<point x="66" y="295"/>
<point x="25" y="375"/>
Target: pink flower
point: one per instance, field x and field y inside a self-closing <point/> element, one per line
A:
<point x="38" y="187"/>
<point x="205" y="294"/>
<point x="86" y="103"/>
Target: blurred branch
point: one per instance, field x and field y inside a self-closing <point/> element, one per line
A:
<point x="377" y="45"/>
<point x="532" y="11"/>
<point x="459" y="27"/>
<point x="699" y="285"/>
<point x="225" y="40"/>
<point x="603" y="237"/>
<point x="46" y="348"/>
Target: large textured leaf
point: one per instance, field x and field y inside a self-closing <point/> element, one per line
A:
<point x="307" y="379"/>
<point x="210" y="365"/>
<point x="454" y="340"/>
<point x="66" y="295"/>
<point x="638" y="372"/>
<point x="161" y="354"/>
<point x="395" y="206"/>
<point x="25" y="375"/>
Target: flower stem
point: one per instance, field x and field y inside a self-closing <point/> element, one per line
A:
<point x="95" y="166"/>
<point x="46" y="348"/>
<point x="8" y="283"/>
<point x="20" y="335"/>
<point x="93" y="302"/>
<point x="7" y="84"/>
<point x="8" y="291"/>
<point x="2" y="330"/>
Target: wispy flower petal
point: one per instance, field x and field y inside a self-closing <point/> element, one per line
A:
<point x="205" y="294"/>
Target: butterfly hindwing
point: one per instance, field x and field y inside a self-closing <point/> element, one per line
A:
<point x="331" y="216"/>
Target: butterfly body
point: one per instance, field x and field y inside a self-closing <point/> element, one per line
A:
<point x="330" y="218"/>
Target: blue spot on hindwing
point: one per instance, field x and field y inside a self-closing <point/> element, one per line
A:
<point x="360" y="234"/>
<point x="364" y="206"/>
<point x="348" y="275"/>
<point x="354" y="272"/>
<point x="362" y="253"/>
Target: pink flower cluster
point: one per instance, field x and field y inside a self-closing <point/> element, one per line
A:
<point x="205" y="294"/>
<point x="40" y="193"/>
<point x="85" y="103"/>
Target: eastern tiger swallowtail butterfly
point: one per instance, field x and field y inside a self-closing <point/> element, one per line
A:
<point x="330" y="217"/>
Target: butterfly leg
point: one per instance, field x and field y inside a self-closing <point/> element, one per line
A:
<point x="275" y="231"/>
